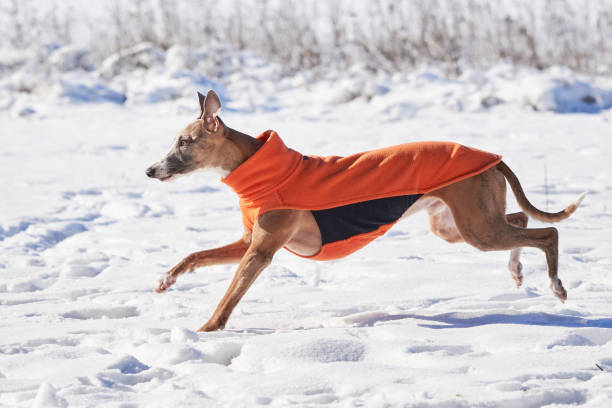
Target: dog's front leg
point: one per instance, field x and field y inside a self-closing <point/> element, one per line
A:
<point x="231" y="253"/>
<point x="251" y="266"/>
<point x="270" y="233"/>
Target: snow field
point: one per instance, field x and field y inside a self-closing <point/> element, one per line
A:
<point x="408" y="321"/>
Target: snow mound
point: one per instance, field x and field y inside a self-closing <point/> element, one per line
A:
<point x="140" y="57"/>
<point x="129" y="365"/>
<point x="70" y="58"/>
<point x="113" y="378"/>
<point x="297" y="350"/>
<point x="46" y="397"/>
<point x="573" y="339"/>
<point x="12" y="59"/>
<point x="156" y="86"/>
<point x="182" y="335"/>
<point x="571" y="96"/>
<point x="35" y="79"/>
<point x="179" y="354"/>
<point x="556" y="89"/>
<point x="82" y="89"/>
<point x="123" y="210"/>
<point x="181" y="58"/>
<point x="222" y="352"/>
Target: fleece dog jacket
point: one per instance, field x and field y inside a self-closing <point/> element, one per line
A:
<point x="354" y="199"/>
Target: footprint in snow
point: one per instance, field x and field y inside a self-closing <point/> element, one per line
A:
<point x="11" y="230"/>
<point x="87" y="265"/>
<point x="449" y="350"/>
<point x="526" y="293"/>
<point x="129" y="365"/>
<point x="46" y="238"/>
<point x="99" y="313"/>
<point x="68" y="195"/>
<point x="578" y="250"/>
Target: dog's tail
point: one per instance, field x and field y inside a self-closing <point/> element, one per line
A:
<point x="528" y="207"/>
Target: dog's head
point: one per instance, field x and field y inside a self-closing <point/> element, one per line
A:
<point x="197" y="146"/>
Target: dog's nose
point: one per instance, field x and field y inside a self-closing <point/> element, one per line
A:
<point x="151" y="172"/>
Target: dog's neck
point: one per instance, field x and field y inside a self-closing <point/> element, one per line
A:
<point x="240" y="147"/>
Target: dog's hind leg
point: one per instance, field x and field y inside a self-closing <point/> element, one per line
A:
<point x="478" y="208"/>
<point x="442" y="224"/>
<point x="515" y="266"/>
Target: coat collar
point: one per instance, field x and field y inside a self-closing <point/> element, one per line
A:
<point x="264" y="171"/>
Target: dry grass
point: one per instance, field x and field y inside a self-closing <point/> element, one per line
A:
<point x="381" y="35"/>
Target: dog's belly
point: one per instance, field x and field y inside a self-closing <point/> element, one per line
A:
<point x="348" y="228"/>
<point x="341" y="223"/>
<point x="428" y="202"/>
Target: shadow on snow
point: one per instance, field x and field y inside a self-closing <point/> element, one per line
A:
<point x="456" y="320"/>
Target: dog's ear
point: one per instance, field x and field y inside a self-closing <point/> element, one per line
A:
<point x="210" y="105"/>
<point x="201" y="99"/>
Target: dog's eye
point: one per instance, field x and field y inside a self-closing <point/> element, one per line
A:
<point x="183" y="142"/>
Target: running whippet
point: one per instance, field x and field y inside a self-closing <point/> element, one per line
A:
<point x="310" y="206"/>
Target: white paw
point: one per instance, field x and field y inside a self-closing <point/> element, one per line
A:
<point x="516" y="271"/>
<point x="165" y="282"/>
<point x="557" y="287"/>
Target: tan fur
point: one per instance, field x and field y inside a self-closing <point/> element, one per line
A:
<point x="472" y="211"/>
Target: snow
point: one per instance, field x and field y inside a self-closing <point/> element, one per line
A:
<point x="46" y="397"/>
<point x="408" y="321"/>
<point x="145" y="74"/>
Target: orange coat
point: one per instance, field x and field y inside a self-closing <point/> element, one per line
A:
<point x="277" y="177"/>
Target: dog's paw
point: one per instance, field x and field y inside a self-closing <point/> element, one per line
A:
<point x="208" y="327"/>
<point x="165" y="282"/>
<point x="557" y="287"/>
<point x="516" y="271"/>
<point x="212" y="325"/>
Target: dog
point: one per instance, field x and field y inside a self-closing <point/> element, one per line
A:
<point x="311" y="208"/>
